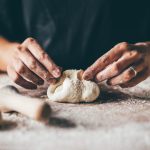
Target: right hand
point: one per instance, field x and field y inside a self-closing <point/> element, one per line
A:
<point x="30" y="65"/>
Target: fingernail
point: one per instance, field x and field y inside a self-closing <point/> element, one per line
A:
<point x="56" y="73"/>
<point x="87" y="77"/>
<point x="99" y="78"/>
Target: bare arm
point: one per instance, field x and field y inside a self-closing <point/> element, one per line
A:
<point x="6" y="50"/>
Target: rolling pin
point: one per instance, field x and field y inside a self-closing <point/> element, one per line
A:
<point x="0" y="118"/>
<point x="11" y="100"/>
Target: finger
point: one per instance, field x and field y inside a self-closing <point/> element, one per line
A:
<point x="139" y="78"/>
<point x="19" y="80"/>
<point x="26" y="73"/>
<point x="127" y="75"/>
<point x="113" y="55"/>
<point x="42" y="56"/>
<point x="118" y="66"/>
<point x="28" y="59"/>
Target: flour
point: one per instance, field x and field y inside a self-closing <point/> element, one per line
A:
<point x="72" y="88"/>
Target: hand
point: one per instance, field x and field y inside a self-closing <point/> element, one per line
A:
<point x="125" y="65"/>
<point x="31" y="66"/>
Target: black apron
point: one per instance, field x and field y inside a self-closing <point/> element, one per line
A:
<point x="76" y="32"/>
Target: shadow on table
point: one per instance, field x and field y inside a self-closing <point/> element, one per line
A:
<point x="61" y="122"/>
<point x="109" y="97"/>
<point x="7" y="125"/>
<point x="112" y="96"/>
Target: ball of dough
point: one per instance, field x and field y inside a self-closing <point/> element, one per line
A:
<point x="72" y="88"/>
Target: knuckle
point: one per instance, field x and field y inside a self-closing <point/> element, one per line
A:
<point x="20" y="48"/>
<point x="46" y="75"/>
<point x="134" y="53"/>
<point x="52" y="66"/>
<point x="129" y="75"/>
<point x="105" y="59"/>
<point x="32" y="64"/>
<point x="43" y="56"/>
<point x="29" y="40"/>
<point x="123" y="46"/>
<point x="91" y="69"/>
<point x="116" y="68"/>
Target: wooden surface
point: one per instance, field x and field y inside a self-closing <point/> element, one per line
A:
<point x="114" y="122"/>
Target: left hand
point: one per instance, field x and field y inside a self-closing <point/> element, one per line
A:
<point x="125" y="65"/>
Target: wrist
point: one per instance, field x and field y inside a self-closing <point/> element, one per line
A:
<point x="6" y="52"/>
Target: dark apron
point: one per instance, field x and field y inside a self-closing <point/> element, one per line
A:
<point x="76" y="32"/>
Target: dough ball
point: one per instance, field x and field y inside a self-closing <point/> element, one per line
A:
<point x="72" y="89"/>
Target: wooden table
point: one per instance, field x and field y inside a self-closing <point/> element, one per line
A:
<point x="114" y="122"/>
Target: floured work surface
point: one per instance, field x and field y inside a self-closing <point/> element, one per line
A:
<point x="116" y="122"/>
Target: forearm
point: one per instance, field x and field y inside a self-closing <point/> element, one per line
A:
<point x="6" y="50"/>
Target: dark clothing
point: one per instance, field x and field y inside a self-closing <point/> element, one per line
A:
<point x="76" y="32"/>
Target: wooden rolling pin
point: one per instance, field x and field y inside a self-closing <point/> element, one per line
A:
<point x="11" y="100"/>
<point x="0" y="118"/>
